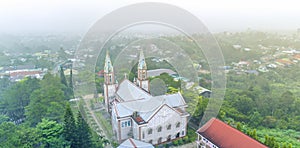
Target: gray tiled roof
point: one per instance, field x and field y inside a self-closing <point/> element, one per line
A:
<point x="132" y="143"/>
<point x="128" y="91"/>
<point x="142" y="102"/>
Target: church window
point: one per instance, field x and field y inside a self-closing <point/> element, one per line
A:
<point x="126" y="123"/>
<point x="143" y="135"/>
<point x="159" y="129"/>
<point x="149" y="131"/>
<point x="177" y="124"/>
<point x="169" y="127"/>
<point x="129" y="123"/>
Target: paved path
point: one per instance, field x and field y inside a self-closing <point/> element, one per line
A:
<point x="87" y="99"/>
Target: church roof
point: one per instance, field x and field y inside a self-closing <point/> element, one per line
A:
<point x="136" y="99"/>
<point x="225" y="136"/>
<point x="128" y="91"/>
<point x="132" y="143"/>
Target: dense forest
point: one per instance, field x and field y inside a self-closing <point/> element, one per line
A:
<point x="37" y="113"/>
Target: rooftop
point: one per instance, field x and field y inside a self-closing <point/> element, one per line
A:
<point x="132" y="143"/>
<point x="225" y="136"/>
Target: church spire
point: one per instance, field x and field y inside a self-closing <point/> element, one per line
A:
<point x="109" y="86"/>
<point x="142" y="62"/>
<point x="142" y="80"/>
<point x="108" y="68"/>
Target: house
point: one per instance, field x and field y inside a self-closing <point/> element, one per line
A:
<point x="203" y="91"/>
<point x="17" y="75"/>
<point x="132" y="143"/>
<point x="284" y="62"/>
<point x="136" y="114"/>
<point x="217" y="134"/>
<point x="297" y="57"/>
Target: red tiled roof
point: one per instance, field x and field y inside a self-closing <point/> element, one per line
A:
<point x="284" y="61"/>
<point x="100" y="73"/>
<point x="225" y="136"/>
<point x="297" y="56"/>
<point x="139" y="119"/>
<point x="24" y="73"/>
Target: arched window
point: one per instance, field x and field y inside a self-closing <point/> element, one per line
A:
<point x="168" y="126"/>
<point x="159" y="129"/>
<point x="159" y="140"/>
<point x="149" y="131"/>
<point x="177" y="124"/>
<point x="177" y="135"/>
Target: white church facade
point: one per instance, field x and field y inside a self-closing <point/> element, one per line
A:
<point x="136" y="114"/>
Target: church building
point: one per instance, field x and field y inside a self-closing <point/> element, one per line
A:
<point x="136" y="114"/>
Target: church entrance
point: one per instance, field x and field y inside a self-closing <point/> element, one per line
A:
<point x="177" y="135"/>
<point x="169" y="138"/>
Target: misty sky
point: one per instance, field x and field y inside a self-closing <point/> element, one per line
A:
<point x="77" y="16"/>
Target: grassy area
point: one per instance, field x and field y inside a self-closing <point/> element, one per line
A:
<point x="105" y="124"/>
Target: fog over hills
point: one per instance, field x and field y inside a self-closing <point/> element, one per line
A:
<point x="78" y="16"/>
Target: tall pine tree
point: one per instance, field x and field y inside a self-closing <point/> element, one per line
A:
<point x="69" y="131"/>
<point x="71" y="84"/>
<point x="67" y="90"/>
<point x="63" y="77"/>
<point x="83" y="132"/>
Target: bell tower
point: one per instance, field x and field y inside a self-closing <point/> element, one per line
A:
<point x="109" y="83"/>
<point x="142" y="80"/>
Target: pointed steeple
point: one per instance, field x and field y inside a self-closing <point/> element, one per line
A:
<point x="142" y="62"/>
<point x="109" y="85"/>
<point x="142" y="80"/>
<point x="108" y="68"/>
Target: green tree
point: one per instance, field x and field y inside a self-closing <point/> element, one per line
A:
<point x="84" y="133"/>
<point x="12" y="135"/>
<point x="244" y="104"/>
<point x="17" y="97"/>
<point x="3" y="118"/>
<point x="63" y="79"/>
<point x="286" y="100"/>
<point x="68" y="90"/>
<point x="69" y="130"/>
<point x="239" y="126"/>
<point x="71" y="84"/>
<point x="51" y="134"/>
<point x="46" y="102"/>
<point x="255" y="119"/>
